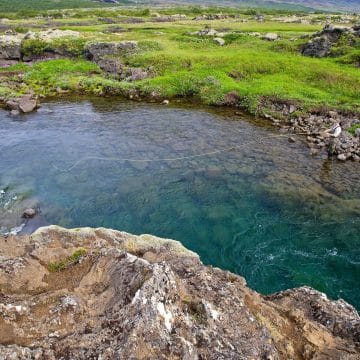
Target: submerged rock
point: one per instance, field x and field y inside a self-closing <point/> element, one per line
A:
<point x="29" y="213"/>
<point x="98" y="293"/>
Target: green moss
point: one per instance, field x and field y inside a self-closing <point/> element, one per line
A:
<point x="63" y="264"/>
<point x="70" y="46"/>
<point x="353" y="129"/>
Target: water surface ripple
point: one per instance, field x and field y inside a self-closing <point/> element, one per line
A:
<point x="260" y="207"/>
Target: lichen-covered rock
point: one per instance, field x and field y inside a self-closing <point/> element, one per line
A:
<point x="104" y="294"/>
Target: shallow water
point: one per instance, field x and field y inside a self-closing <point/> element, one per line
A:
<point x="262" y="208"/>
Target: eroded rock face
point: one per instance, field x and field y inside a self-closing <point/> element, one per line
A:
<point x="142" y="297"/>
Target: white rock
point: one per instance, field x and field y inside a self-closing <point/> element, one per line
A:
<point x="219" y="41"/>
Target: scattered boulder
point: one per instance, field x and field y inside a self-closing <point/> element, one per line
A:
<point x="219" y="41"/>
<point x="270" y="37"/>
<point x="259" y="18"/>
<point x="208" y="31"/>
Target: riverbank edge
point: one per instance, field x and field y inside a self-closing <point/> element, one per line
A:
<point x="284" y="115"/>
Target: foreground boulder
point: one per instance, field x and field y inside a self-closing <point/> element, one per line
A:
<point x="103" y="294"/>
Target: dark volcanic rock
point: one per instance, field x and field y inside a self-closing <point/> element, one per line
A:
<point x="321" y="43"/>
<point x="120" y="296"/>
<point x="318" y="47"/>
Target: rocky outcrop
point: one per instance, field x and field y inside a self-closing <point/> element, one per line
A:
<point x="11" y="45"/>
<point x="270" y="37"/>
<point x="51" y="34"/>
<point x="321" y="43"/>
<point x="110" y="55"/>
<point x="103" y="294"/>
<point x="99" y="50"/>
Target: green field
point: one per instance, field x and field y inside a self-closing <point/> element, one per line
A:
<point x="35" y="5"/>
<point x="184" y="65"/>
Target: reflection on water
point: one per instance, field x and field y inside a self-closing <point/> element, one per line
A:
<point x="263" y="208"/>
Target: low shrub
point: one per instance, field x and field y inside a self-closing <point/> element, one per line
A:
<point x="33" y="47"/>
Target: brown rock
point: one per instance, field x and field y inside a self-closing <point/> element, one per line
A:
<point x="27" y="104"/>
<point x="98" y="293"/>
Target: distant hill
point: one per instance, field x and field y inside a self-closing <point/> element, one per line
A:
<point x="295" y="5"/>
<point x="328" y="5"/>
<point x="347" y="5"/>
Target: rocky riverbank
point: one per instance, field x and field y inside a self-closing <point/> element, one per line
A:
<point x="111" y="73"/>
<point x="98" y="293"/>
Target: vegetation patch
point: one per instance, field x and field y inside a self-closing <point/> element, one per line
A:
<point x="353" y="129"/>
<point x="70" y="260"/>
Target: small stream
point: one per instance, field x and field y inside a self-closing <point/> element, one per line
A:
<point x="230" y="188"/>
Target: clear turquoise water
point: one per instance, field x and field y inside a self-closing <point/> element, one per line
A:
<point x="265" y="209"/>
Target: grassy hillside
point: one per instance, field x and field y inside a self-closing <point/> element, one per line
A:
<point x="288" y="5"/>
<point x="34" y="5"/>
<point x="27" y="6"/>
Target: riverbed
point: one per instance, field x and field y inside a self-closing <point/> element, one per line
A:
<point x="231" y="188"/>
